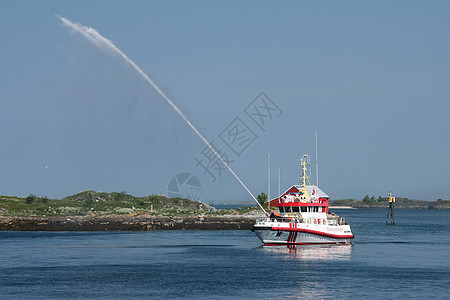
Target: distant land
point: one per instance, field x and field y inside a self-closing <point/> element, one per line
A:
<point x="366" y="202"/>
<point x="380" y="202"/>
<point x="92" y="203"/>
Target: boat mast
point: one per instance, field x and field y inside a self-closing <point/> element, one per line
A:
<point x="268" y="181"/>
<point x="279" y="182"/>
<point x="303" y="163"/>
<point x="317" y="164"/>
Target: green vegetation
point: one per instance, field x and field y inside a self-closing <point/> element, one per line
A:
<point x="30" y="199"/>
<point x="372" y="202"/>
<point x="91" y="203"/>
<point x="262" y="199"/>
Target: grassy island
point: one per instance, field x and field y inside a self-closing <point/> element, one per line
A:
<point x="92" y="203"/>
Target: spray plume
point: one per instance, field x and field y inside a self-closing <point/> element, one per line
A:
<point x="104" y="44"/>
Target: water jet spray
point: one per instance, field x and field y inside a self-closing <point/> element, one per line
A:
<point x="103" y="43"/>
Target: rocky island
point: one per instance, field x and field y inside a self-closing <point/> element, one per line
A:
<point x="99" y="211"/>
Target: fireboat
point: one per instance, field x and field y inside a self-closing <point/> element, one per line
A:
<point x="302" y="217"/>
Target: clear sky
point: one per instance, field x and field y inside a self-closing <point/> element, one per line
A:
<point x="373" y="78"/>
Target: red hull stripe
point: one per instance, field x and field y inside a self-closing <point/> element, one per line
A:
<point x="292" y="237"/>
<point x="285" y="244"/>
<point x="337" y="236"/>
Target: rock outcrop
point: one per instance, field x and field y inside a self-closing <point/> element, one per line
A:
<point x="126" y="223"/>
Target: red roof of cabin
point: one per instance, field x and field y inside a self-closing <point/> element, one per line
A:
<point x="318" y="201"/>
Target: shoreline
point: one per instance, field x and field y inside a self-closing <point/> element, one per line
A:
<point x="341" y="207"/>
<point x="126" y="223"/>
<point x="144" y="222"/>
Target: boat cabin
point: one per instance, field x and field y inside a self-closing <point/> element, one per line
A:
<point x="299" y="199"/>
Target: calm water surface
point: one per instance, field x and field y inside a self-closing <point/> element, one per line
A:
<point x="408" y="260"/>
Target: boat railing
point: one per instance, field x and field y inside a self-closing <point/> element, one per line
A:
<point x="281" y="220"/>
<point x="342" y="221"/>
<point x="336" y="221"/>
<point x="300" y="201"/>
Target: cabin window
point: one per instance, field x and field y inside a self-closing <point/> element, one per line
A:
<point x="295" y="209"/>
<point x="288" y="209"/>
<point x="303" y="209"/>
<point x="281" y="208"/>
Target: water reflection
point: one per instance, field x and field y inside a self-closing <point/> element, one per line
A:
<point x="312" y="252"/>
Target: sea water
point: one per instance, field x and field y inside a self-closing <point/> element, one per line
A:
<point x="408" y="260"/>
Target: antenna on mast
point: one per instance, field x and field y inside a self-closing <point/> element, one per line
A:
<point x="279" y="182"/>
<point x="317" y="164"/>
<point x="304" y="161"/>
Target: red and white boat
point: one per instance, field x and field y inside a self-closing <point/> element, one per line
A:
<point x="302" y="217"/>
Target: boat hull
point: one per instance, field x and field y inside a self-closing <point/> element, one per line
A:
<point x="272" y="236"/>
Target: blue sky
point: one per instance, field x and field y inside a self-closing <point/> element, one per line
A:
<point x="371" y="77"/>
